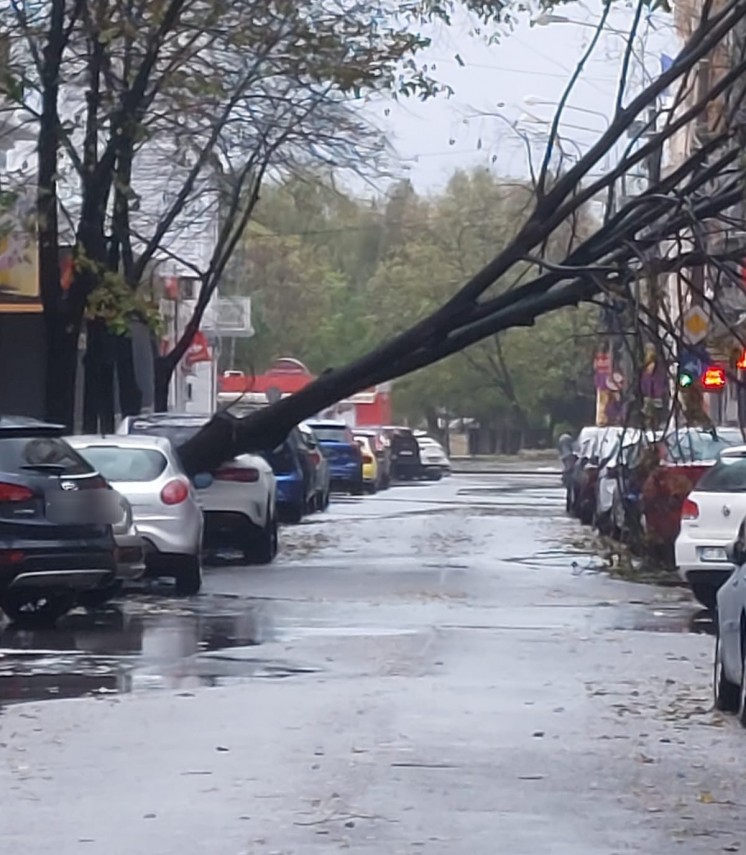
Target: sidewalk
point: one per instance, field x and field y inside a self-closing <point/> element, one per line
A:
<point x="531" y="462"/>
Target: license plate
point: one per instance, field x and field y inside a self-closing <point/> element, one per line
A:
<point x="406" y="453"/>
<point x="87" y="507"/>
<point x="712" y="553"/>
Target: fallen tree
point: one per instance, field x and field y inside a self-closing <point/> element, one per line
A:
<point x="685" y="211"/>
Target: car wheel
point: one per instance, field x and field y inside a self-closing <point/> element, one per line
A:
<point x="294" y="513"/>
<point x="326" y="500"/>
<point x="435" y="475"/>
<point x="705" y="594"/>
<point x="99" y="596"/>
<point x="357" y="489"/>
<point x="35" y="608"/>
<point x="263" y="548"/>
<point x="371" y="488"/>
<point x="188" y="576"/>
<point x="727" y="695"/>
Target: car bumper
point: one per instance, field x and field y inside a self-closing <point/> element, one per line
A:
<point x="52" y="569"/>
<point x="290" y="491"/>
<point x="177" y="535"/>
<point x="247" y="500"/>
<point x="346" y="473"/>
<point x="130" y="556"/>
<point x="691" y="563"/>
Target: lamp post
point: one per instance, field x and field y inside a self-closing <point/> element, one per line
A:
<point x="536" y="101"/>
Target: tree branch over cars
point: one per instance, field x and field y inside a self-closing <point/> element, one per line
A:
<point x="677" y="217"/>
<point x="206" y="97"/>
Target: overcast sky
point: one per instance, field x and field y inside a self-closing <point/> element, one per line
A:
<point x="436" y="137"/>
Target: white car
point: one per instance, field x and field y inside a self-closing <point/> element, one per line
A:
<point x="240" y="504"/>
<point x="710" y="518"/>
<point x="432" y="455"/>
<point x="729" y="675"/>
<point x="146" y="471"/>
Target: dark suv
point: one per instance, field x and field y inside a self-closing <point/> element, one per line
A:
<point x="56" y="517"/>
<point x="406" y="464"/>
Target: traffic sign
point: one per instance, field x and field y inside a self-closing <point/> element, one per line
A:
<point x="696" y="323"/>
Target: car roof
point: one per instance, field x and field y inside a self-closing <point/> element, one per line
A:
<point x="734" y="451"/>
<point x="25" y="424"/>
<point x="159" y="443"/>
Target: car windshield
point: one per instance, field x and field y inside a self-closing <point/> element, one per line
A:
<point x="330" y="433"/>
<point x="728" y="475"/>
<point x="39" y="454"/>
<point x="695" y="446"/>
<point x="125" y="464"/>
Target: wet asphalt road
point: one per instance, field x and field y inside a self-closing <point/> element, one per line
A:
<point x="440" y="669"/>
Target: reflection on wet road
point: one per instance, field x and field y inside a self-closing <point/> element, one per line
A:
<point x="145" y="642"/>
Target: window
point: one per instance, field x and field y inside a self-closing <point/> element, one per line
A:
<point x="125" y="464"/>
<point x="726" y="476"/>
<point x="22" y="454"/>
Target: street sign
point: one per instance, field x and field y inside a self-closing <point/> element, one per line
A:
<point x="696" y="324"/>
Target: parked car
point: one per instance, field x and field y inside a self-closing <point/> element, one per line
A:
<point x="320" y="474"/>
<point x="343" y="453"/>
<point x="434" y="459"/>
<point x="729" y="672"/>
<point x="595" y="446"/>
<point x="406" y="463"/>
<point x="147" y="472"/>
<point x="382" y="449"/>
<point x="295" y="479"/>
<point x="239" y="506"/>
<point x="710" y="519"/>
<point x="56" y="518"/>
<point x="130" y="549"/>
<point x="686" y="454"/>
<point x="614" y="475"/>
<point x="370" y="464"/>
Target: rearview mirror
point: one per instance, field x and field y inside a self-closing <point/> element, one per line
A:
<point x="202" y="480"/>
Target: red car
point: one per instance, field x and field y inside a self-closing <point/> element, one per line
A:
<point x="686" y="455"/>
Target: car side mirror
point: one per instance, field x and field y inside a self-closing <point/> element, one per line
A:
<point x="202" y="480"/>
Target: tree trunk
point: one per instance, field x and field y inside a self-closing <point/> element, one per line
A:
<point x="130" y="394"/>
<point x="98" y="396"/>
<point x="163" y="370"/>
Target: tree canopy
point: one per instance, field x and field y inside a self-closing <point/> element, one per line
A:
<point x="330" y="274"/>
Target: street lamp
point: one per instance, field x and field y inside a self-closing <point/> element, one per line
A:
<point x="536" y="101"/>
<point x="544" y="19"/>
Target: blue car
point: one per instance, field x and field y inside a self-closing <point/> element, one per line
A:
<point x="343" y="453"/>
<point x="295" y="484"/>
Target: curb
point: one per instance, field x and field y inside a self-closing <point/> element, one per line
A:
<point x="537" y="472"/>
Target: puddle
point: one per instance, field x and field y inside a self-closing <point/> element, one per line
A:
<point x="141" y="646"/>
<point x="681" y="617"/>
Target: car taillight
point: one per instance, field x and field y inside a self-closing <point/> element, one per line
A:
<point x="15" y="493"/>
<point x="315" y="457"/>
<point x="11" y="556"/>
<point x="175" y="492"/>
<point x="243" y="476"/>
<point x="689" y="510"/>
<point x="367" y="459"/>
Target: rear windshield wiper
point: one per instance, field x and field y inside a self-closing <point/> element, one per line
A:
<point x="45" y="467"/>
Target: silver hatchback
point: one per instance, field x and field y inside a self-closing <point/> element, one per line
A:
<point x="147" y="472"/>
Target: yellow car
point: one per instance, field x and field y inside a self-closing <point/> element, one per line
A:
<point x="370" y="464"/>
